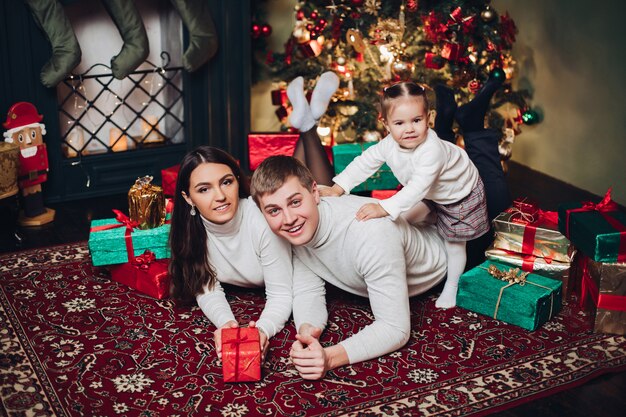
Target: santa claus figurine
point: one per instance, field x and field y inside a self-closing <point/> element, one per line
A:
<point x="24" y="128"/>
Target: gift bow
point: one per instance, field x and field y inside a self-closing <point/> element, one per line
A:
<point x="143" y="261"/>
<point x="511" y="276"/>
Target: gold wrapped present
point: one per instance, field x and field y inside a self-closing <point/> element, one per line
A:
<point x="531" y="231"/>
<point x="146" y="204"/>
<point x="603" y="287"/>
<point x="9" y="165"/>
<point x="530" y="263"/>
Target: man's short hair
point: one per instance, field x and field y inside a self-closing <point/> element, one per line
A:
<point x="274" y="171"/>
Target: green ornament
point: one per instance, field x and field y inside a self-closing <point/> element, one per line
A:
<point x="530" y="117"/>
<point x="498" y="74"/>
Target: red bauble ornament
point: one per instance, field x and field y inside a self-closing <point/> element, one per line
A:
<point x="473" y="86"/>
<point x="266" y="30"/>
<point x="256" y="31"/>
<point x="357" y="2"/>
<point x="300" y="15"/>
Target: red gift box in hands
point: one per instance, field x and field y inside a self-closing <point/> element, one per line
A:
<point x="241" y="354"/>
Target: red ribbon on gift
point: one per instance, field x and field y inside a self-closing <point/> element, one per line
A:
<point x="603" y="207"/>
<point x="234" y="344"/>
<point x="123" y="221"/>
<point x="531" y="217"/>
<point x="605" y="301"/>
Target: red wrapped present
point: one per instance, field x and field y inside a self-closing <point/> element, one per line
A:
<point x="433" y="61"/>
<point x="383" y="194"/>
<point x="451" y="51"/>
<point x="145" y="273"/>
<point x="168" y="180"/>
<point x="279" y="97"/>
<point x="241" y="354"/>
<point x="262" y="145"/>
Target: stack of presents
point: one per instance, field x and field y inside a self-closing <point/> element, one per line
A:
<point x="539" y="258"/>
<point x="135" y="250"/>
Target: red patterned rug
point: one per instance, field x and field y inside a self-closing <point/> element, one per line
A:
<point x="75" y="343"/>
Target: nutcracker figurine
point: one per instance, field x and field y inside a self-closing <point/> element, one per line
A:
<point x="24" y="129"/>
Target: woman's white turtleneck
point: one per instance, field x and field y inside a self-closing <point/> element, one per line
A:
<point x="245" y="252"/>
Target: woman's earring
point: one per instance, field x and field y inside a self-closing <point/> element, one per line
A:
<point x="193" y="210"/>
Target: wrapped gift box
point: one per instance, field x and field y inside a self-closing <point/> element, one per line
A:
<point x="146" y="203"/>
<point x="597" y="230"/>
<point x="168" y="180"/>
<point x="530" y="231"/>
<point x="145" y="274"/>
<point x="528" y="306"/>
<point x="603" y="288"/>
<point x="241" y="354"/>
<point x="540" y="266"/>
<point x="10" y="162"/>
<point x="115" y="241"/>
<point x="262" y="145"/>
<point x="383" y="179"/>
<point x="383" y="194"/>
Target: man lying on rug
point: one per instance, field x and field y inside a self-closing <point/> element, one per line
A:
<point x="383" y="260"/>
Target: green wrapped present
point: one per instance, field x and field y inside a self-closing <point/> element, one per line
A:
<point x="497" y="290"/>
<point x="108" y="244"/>
<point x="597" y="230"/>
<point x="383" y="179"/>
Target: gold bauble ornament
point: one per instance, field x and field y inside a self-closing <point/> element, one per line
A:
<point x="401" y="70"/>
<point x="488" y="14"/>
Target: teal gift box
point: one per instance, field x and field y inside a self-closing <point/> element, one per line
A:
<point x="108" y="245"/>
<point x="383" y="179"/>
<point x="597" y="230"/>
<point x="528" y="305"/>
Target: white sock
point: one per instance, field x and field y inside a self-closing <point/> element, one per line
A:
<point x="300" y="116"/>
<point x="323" y="92"/>
<point x="457" y="257"/>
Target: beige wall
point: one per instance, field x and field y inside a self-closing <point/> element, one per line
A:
<point x="571" y="53"/>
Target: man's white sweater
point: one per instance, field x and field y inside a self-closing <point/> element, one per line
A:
<point x="383" y="260"/>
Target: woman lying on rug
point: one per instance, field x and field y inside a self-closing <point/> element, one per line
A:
<point x="382" y="259"/>
<point x="219" y="236"/>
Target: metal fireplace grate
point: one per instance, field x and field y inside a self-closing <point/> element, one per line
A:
<point x="100" y="114"/>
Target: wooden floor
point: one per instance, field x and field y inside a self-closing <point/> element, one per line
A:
<point x="602" y="396"/>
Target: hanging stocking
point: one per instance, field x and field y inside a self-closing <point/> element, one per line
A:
<point x="135" y="50"/>
<point x="66" y="54"/>
<point x="202" y="36"/>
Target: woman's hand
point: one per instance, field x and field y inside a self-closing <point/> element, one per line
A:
<point x="264" y="341"/>
<point x="217" y="336"/>
<point x="371" y="211"/>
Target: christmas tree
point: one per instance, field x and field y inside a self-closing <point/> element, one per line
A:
<point x="371" y="44"/>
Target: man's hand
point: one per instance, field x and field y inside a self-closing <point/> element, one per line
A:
<point x="334" y="191"/>
<point x="264" y="341"/>
<point x="217" y="336"/>
<point x="308" y="355"/>
<point x="371" y="211"/>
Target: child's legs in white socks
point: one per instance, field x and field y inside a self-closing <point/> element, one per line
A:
<point x="457" y="257"/>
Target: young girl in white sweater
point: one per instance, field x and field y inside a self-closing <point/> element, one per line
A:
<point x="437" y="175"/>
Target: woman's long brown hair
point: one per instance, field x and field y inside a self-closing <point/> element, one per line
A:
<point x="190" y="267"/>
